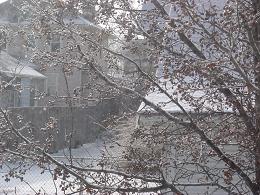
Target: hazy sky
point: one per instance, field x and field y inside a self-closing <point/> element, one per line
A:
<point x="134" y="2"/>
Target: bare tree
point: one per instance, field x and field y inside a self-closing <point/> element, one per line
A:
<point x="202" y="133"/>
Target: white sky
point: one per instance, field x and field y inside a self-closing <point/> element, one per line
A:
<point x="134" y="2"/>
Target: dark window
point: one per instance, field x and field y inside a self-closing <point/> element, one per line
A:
<point x="55" y="42"/>
<point x="2" y="40"/>
<point x="31" y="41"/>
<point x="52" y="84"/>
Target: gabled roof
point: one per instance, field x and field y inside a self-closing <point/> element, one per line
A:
<point x="11" y="67"/>
<point x="8" y="13"/>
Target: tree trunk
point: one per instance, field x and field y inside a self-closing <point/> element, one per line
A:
<point x="257" y="133"/>
<point x="257" y="102"/>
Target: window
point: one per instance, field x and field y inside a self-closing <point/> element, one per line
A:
<point x="52" y="84"/>
<point x="37" y="90"/>
<point x="2" y="40"/>
<point x="25" y="98"/>
<point x="31" y="41"/>
<point x="55" y="42"/>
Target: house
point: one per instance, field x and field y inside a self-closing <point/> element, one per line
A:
<point x="21" y="85"/>
<point x="137" y="50"/>
<point x="182" y="156"/>
<point x="65" y="79"/>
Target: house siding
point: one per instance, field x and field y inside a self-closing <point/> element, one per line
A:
<point x="181" y="165"/>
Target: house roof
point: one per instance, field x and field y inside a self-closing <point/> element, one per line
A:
<point x="160" y="99"/>
<point x="8" y="13"/>
<point x="79" y="20"/>
<point x="10" y="66"/>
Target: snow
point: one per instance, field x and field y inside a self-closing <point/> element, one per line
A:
<point x="90" y="150"/>
<point x="89" y="155"/>
<point x="4" y="21"/>
<point x="38" y="182"/>
<point x="22" y="71"/>
<point x="44" y="181"/>
<point x="79" y="21"/>
<point x="13" y="67"/>
<point x="163" y="101"/>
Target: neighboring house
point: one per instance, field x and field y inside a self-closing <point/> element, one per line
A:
<point x="22" y="43"/>
<point x="21" y="85"/>
<point x="136" y="50"/>
<point x="187" y="160"/>
<point x="80" y="82"/>
<point x="176" y="147"/>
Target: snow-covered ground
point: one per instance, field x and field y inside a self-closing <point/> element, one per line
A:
<point x="34" y="181"/>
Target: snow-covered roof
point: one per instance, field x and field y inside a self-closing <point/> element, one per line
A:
<point x="161" y="99"/>
<point x="20" y="68"/>
<point x="79" y="20"/>
<point x="4" y="21"/>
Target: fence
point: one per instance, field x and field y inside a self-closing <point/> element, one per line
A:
<point x="82" y="123"/>
<point x="69" y="126"/>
